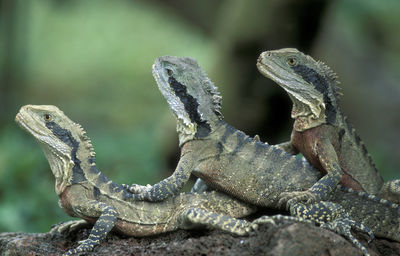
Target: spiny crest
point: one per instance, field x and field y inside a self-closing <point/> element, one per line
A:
<point x="85" y="139"/>
<point x="333" y="79"/>
<point x="215" y="94"/>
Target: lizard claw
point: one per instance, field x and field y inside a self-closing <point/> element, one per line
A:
<point x="289" y="198"/>
<point x="84" y="246"/>
<point x="69" y="226"/>
<point x="254" y="226"/>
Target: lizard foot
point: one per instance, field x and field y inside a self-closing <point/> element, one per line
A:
<point x="244" y="230"/>
<point x="279" y="218"/>
<point x="84" y="246"/>
<point x="333" y="217"/>
<point x="342" y="226"/>
<point x="69" y="226"/>
<point x="264" y="220"/>
<point x="289" y="198"/>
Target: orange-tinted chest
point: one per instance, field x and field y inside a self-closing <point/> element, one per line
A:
<point x="65" y="200"/>
<point x="306" y="143"/>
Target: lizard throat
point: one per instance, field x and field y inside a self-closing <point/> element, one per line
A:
<point x="191" y="105"/>
<point x="304" y="117"/>
<point x="322" y="85"/>
<point x="66" y="136"/>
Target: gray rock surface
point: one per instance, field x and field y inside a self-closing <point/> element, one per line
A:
<point x="283" y="240"/>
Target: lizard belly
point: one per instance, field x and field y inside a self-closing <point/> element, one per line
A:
<point x="131" y="226"/>
<point x="140" y="230"/>
<point x="127" y="228"/>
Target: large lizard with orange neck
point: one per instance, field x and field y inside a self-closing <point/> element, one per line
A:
<point x="321" y="132"/>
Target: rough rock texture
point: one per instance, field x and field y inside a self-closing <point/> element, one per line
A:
<point x="286" y="239"/>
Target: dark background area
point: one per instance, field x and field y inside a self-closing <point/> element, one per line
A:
<point x="93" y="60"/>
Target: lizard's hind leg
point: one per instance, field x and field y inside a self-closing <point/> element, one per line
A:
<point x="196" y="217"/>
<point x="331" y="216"/>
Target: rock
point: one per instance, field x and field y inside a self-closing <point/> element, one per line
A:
<point x="283" y="240"/>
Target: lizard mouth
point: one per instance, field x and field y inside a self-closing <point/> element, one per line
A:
<point x="23" y="119"/>
<point x="21" y="122"/>
<point x="272" y="73"/>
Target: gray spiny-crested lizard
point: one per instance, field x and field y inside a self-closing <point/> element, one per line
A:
<point x="86" y="193"/>
<point x="230" y="161"/>
<point x="321" y="132"/>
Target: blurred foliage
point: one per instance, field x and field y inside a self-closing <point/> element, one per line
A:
<point x="93" y="60"/>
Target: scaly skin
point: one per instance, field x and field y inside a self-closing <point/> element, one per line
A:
<point x="232" y="162"/>
<point x="321" y="132"/>
<point x="86" y="193"/>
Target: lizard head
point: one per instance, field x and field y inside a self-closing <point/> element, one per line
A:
<point x="312" y="86"/>
<point x="191" y="95"/>
<point x="64" y="142"/>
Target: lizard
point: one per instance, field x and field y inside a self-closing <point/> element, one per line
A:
<point x="228" y="160"/>
<point x="321" y="132"/>
<point x="87" y="193"/>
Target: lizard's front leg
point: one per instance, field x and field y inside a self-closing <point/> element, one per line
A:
<point x="103" y="225"/>
<point x="166" y="188"/>
<point x="327" y="157"/>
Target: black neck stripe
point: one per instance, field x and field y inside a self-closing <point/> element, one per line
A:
<point x="321" y="84"/>
<point x="191" y="106"/>
<point x="64" y="135"/>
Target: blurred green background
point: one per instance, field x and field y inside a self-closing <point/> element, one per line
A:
<point x="93" y="60"/>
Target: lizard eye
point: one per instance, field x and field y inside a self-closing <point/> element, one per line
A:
<point x="292" y="61"/>
<point x="47" y="117"/>
<point x="169" y="72"/>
